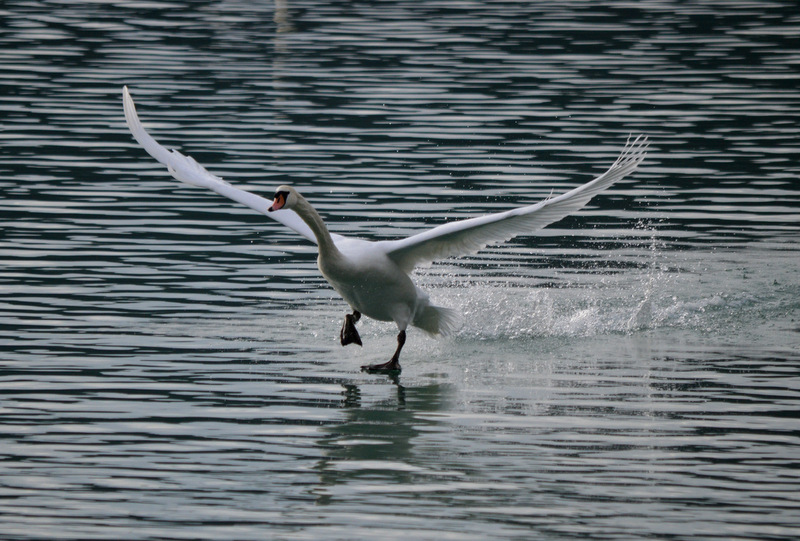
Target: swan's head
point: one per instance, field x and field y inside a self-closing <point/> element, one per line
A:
<point x="286" y="197"/>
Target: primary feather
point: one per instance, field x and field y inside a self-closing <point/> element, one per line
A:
<point x="187" y="170"/>
<point x="469" y="236"/>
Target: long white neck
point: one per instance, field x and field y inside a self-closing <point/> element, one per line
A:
<point x="312" y="218"/>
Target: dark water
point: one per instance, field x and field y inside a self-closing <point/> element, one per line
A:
<point x="168" y="362"/>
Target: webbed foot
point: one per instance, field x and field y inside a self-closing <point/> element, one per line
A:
<point x="393" y="364"/>
<point x="349" y="333"/>
<point x="390" y="366"/>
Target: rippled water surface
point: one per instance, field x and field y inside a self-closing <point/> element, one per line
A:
<point x="168" y="359"/>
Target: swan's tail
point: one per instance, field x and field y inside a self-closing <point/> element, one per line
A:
<point x="437" y="320"/>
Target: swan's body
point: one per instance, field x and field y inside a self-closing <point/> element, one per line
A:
<point x="365" y="274"/>
<point x="373" y="277"/>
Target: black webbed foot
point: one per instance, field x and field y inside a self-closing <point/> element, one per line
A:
<point x="349" y="333"/>
<point x="393" y="364"/>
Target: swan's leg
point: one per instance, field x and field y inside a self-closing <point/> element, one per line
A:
<point x="394" y="363"/>
<point x="349" y="334"/>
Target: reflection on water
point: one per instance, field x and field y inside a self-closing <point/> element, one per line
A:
<point x="168" y="362"/>
<point x="372" y="450"/>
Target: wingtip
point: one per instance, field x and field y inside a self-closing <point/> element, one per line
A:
<point x="131" y="117"/>
<point x="129" y="107"/>
<point x="634" y="150"/>
<point x="150" y="145"/>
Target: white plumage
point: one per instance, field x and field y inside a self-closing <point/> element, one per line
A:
<point x="373" y="277"/>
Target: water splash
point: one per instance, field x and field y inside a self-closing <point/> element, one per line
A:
<point x="723" y="294"/>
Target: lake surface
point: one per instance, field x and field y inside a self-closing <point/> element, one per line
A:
<point x="169" y="367"/>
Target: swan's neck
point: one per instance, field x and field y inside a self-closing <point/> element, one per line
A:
<point x="312" y="218"/>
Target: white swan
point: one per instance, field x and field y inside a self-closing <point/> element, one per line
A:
<point x="373" y="277"/>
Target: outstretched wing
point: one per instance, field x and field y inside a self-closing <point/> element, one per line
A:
<point x="186" y="169"/>
<point x="468" y="236"/>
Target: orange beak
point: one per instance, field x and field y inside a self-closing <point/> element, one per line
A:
<point x="278" y="203"/>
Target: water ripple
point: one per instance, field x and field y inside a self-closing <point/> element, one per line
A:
<point x="169" y="359"/>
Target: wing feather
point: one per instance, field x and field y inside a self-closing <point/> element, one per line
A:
<point x="469" y="236"/>
<point x="186" y="169"/>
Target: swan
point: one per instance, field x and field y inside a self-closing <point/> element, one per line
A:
<point x="374" y="277"/>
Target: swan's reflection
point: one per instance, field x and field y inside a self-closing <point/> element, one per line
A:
<point x="374" y="445"/>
